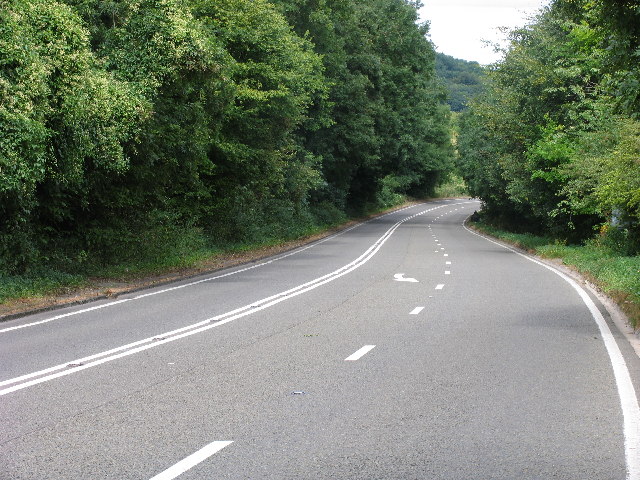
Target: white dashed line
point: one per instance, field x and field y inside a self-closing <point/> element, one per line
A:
<point x="416" y="311"/>
<point x="191" y="461"/>
<point x="94" y="360"/>
<point x="360" y="353"/>
<point x="440" y="286"/>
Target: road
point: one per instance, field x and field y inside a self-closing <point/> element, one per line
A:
<point x="406" y="347"/>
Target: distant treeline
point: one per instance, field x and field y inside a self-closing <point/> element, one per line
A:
<point x="463" y="80"/>
<point x="127" y="127"/>
<point x="553" y="145"/>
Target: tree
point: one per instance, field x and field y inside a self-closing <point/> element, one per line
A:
<point x="462" y="79"/>
<point x="63" y="119"/>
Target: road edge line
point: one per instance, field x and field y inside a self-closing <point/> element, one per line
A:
<point x="626" y="390"/>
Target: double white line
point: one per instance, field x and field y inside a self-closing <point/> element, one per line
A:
<point x="74" y="366"/>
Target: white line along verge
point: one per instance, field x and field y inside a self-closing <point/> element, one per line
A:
<point x="77" y="365"/>
<point x="197" y="282"/>
<point x="416" y="311"/>
<point x="192" y="460"/>
<point x="360" y="353"/>
<point x="626" y="391"/>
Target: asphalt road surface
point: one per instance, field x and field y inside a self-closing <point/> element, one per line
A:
<point x="406" y="347"/>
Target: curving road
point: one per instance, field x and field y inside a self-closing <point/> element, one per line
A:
<point x="406" y="347"/>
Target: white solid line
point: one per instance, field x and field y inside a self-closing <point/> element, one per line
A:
<point x="197" y="282"/>
<point x="626" y="391"/>
<point x="191" y="461"/>
<point x="68" y="314"/>
<point x="78" y="365"/>
<point x="360" y="353"/>
<point x="440" y="286"/>
<point x="416" y="311"/>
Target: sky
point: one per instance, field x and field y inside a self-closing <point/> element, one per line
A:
<point x="458" y="27"/>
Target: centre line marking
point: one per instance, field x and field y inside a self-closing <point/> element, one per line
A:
<point x="191" y="461"/>
<point x="190" y="284"/>
<point x="440" y="286"/>
<point x="447" y="263"/>
<point x="360" y="353"/>
<point x="61" y="370"/>
<point x="416" y="311"/>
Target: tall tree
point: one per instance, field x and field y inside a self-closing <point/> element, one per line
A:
<point x="554" y="123"/>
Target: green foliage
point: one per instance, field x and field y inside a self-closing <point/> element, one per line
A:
<point x="36" y="284"/>
<point x="63" y="118"/>
<point x="454" y="186"/>
<point x="552" y="145"/>
<point x="463" y="80"/>
<point x="390" y="133"/>
<point x="130" y="130"/>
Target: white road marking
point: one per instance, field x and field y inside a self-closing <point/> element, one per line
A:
<point x="68" y="314"/>
<point x="446" y="254"/>
<point x="90" y="361"/>
<point x="440" y="286"/>
<point x="447" y="263"/>
<point x="192" y="460"/>
<point x="626" y="391"/>
<point x="208" y="279"/>
<point x="447" y="272"/>
<point x="399" y="277"/>
<point x="360" y="353"/>
<point x="416" y="311"/>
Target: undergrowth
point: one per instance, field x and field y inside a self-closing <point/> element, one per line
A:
<point x="160" y="251"/>
<point x="453" y="187"/>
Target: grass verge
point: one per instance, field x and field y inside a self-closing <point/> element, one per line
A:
<point x="616" y="275"/>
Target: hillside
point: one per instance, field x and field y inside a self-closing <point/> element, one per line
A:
<point x="463" y="80"/>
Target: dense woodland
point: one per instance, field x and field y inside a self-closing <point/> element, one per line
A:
<point x="140" y="129"/>
<point x="553" y="145"/>
<point x="463" y="80"/>
<point x="129" y="129"/>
